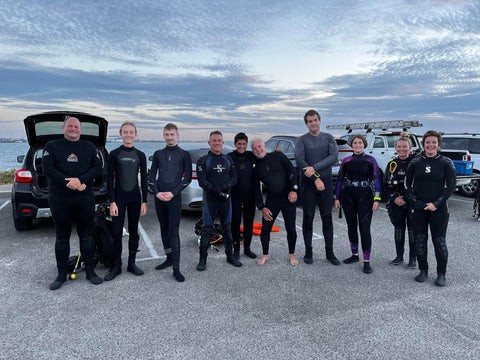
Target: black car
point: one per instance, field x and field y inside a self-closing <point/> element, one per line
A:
<point x="30" y="188"/>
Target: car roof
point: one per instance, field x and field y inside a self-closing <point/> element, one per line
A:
<point x="46" y="126"/>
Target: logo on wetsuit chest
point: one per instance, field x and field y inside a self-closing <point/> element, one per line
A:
<point x="219" y="168"/>
<point x="72" y="158"/>
<point x="428" y="169"/>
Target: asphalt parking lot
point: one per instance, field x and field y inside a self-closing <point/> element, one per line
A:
<point x="276" y="311"/>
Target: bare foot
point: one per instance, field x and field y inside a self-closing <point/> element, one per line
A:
<point x="262" y="260"/>
<point x="293" y="260"/>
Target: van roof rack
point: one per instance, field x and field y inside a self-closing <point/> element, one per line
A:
<point x="383" y="125"/>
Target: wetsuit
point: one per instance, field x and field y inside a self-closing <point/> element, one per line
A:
<point x="430" y="180"/>
<point x="321" y="152"/>
<point x="72" y="159"/>
<point x="243" y="199"/>
<point x="216" y="176"/>
<point x="394" y="186"/>
<point x="358" y="186"/>
<point x="171" y="172"/>
<point x="278" y="175"/>
<point x="124" y="164"/>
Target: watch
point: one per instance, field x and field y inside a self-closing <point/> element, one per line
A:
<point x="295" y="188"/>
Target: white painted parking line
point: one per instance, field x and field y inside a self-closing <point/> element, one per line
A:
<point x="4" y="204"/>
<point x="462" y="200"/>
<point x="148" y="242"/>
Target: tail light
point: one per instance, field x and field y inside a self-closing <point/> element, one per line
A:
<point x="23" y="176"/>
<point x="194" y="175"/>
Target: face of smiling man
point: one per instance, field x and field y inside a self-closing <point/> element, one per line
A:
<point x="72" y="129"/>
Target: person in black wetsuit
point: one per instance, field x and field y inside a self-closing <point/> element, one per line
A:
<point x="394" y="185"/>
<point x="358" y="189"/>
<point x="71" y="166"/>
<point x="171" y="172"/>
<point x="280" y="179"/>
<point x="216" y="176"/>
<point x="315" y="153"/>
<point x="124" y="164"/>
<point x="429" y="182"/>
<point x="243" y="199"/>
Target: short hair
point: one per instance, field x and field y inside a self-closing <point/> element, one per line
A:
<point x="361" y="137"/>
<point x="432" y="133"/>
<point x="68" y="117"/>
<point x="404" y="136"/>
<point x="240" y="136"/>
<point x="125" y="124"/>
<point x="170" y="126"/>
<point x="255" y="140"/>
<point x="311" y="113"/>
<point x="215" y="132"/>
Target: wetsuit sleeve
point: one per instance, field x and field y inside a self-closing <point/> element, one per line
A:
<point x="187" y="173"/>
<point x="111" y="169"/>
<point x="340" y="179"/>
<point x="233" y="174"/>
<point x="95" y="169"/>
<point x="143" y="175"/>
<point x="377" y="180"/>
<point x="48" y="164"/>
<point x="450" y="182"/>
<point x="300" y="154"/>
<point x="152" y="177"/>
<point x="202" y="175"/>
<point x="409" y="183"/>
<point x="257" y="191"/>
<point x="331" y="158"/>
<point x="292" y="174"/>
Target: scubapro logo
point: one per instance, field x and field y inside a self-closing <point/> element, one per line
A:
<point x="72" y="158"/>
<point x="219" y="168"/>
<point x="428" y="169"/>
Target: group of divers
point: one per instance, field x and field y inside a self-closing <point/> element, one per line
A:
<point x="417" y="188"/>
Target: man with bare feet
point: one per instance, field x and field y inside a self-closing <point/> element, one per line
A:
<point x="278" y="175"/>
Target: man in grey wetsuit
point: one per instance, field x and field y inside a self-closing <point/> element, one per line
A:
<point x="315" y="153"/>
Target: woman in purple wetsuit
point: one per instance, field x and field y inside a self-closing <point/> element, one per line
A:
<point x="358" y="191"/>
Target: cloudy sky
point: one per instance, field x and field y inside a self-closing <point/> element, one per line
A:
<point x="247" y="65"/>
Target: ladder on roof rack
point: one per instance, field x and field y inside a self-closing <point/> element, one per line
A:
<point x="384" y="125"/>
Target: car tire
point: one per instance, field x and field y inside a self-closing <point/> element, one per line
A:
<point x="469" y="190"/>
<point x="21" y="224"/>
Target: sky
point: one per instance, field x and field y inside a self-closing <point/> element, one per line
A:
<point x="249" y="65"/>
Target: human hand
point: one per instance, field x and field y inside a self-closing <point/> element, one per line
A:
<point x="309" y="170"/>
<point x="399" y="201"/>
<point x="292" y="196"/>
<point x="113" y="209"/>
<point x="73" y="183"/>
<point x="143" y="209"/>
<point x="319" y="184"/>
<point x="267" y="214"/>
<point x="375" y="206"/>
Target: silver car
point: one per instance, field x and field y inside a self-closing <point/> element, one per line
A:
<point x="192" y="195"/>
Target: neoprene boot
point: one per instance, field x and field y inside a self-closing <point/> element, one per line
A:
<point x="202" y="264"/>
<point x="249" y="253"/>
<point x="331" y="257"/>
<point x="58" y="282"/>
<point x="233" y="261"/>
<point x="178" y="276"/>
<point x="134" y="269"/>
<point x="236" y="251"/>
<point x="367" y="269"/>
<point x="440" y="280"/>
<point x="308" y="258"/>
<point x="352" y="259"/>
<point x="166" y="263"/>
<point x="399" y="235"/>
<point x="92" y="276"/>
<point x="116" y="270"/>
<point x="422" y="276"/>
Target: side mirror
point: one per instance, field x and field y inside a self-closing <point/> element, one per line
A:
<point x="20" y="158"/>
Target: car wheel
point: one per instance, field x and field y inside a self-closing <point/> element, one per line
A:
<point x="21" y="224"/>
<point x="469" y="190"/>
